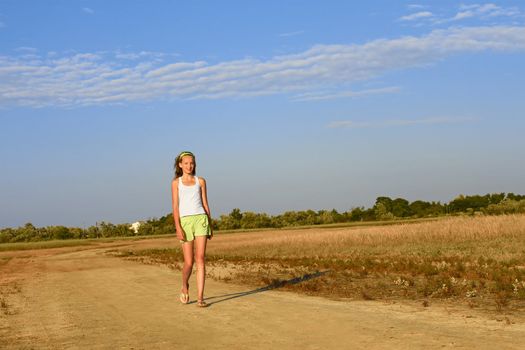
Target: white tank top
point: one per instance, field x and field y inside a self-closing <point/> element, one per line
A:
<point x="190" y="202"/>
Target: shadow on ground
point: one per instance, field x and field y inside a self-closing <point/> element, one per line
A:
<point x="278" y="284"/>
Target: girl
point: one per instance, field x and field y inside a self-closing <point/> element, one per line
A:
<point x="192" y="221"/>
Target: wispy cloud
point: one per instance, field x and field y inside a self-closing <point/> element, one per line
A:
<point x="415" y="6"/>
<point x="26" y="49"/>
<point x="489" y="10"/>
<point x="327" y="95"/>
<point x="480" y="12"/>
<point x="321" y="72"/>
<point x="484" y="11"/>
<point x="416" y="16"/>
<point x="133" y="56"/>
<point x="397" y="122"/>
<point x="88" y="10"/>
<point x="2" y="24"/>
<point x="298" y="32"/>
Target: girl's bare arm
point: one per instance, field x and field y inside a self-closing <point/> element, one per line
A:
<point x="175" y="205"/>
<point x="204" y="197"/>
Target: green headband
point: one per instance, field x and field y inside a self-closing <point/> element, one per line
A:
<point x="185" y="153"/>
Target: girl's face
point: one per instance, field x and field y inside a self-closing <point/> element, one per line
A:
<point x="187" y="164"/>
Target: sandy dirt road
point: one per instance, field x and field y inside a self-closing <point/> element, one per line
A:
<point x="83" y="298"/>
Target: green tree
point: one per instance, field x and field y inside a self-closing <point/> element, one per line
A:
<point x="326" y="217"/>
<point x="515" y="197"/>
<point x="473" y="203"/>
<point x="356" y="214"/>
<point x="400" y="208"/>
<point x="382" y="213"/>
<point x="386" y="201"/>
<point x="7" y="235"/>
<point x="59" y="232"/>
<point x="420" y="208"/>
<point x="496" y="198"/>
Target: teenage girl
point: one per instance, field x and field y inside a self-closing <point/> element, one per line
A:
<point x="192" y="222"/>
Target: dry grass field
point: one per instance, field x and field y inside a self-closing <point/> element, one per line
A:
<point x="479" y="261"/>
<point x="453" y="283"/>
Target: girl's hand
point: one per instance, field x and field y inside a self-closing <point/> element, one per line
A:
<point x="181" y="234"/>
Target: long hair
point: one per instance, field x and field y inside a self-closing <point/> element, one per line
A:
<point x="178" y="170"/>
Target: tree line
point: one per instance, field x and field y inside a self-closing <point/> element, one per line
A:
<point x="385" y="208"/>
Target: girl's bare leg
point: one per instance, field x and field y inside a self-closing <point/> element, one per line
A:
<point x="187" y="250"/>
<point x="200" y="250"/>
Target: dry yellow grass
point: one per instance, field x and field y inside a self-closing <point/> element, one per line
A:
<point x="477" y="259"/>
<point x="496" y="233"/>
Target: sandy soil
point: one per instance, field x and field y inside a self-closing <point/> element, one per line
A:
<point x="81" y="297"/>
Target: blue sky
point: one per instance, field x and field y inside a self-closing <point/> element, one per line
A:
<point x="288" y="105"/>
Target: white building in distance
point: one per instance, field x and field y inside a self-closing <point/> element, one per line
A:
<point x="135" y="226"/>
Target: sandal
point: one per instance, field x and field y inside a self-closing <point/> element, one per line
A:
<point x="184" y="297"/>
<point x="202" y="303"/>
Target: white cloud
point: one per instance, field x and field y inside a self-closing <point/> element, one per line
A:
<point x="415" y="6"/>
<point x="88" y="10"/>
<point x="468" y="7"/>
<point x="462" y="15"/>
<point x="397" y="122"/>
<point x="321" y="72"/>
<point x="488" y="8"/>
<point x="26" y="49"/>
<point x="416" y="16"/>
<point x="323" y="95"/>
<point x="2" y="24"/>
<point x="299" y="32"/>
<point x="133" y="56"/>
<point x="483" y="11"/>
<point x="127" y="56"/>
<point x="480" y="12"/>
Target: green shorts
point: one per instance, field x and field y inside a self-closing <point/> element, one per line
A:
<point x="195" y="226"/>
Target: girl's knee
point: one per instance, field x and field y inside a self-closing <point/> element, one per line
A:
<point x="199" y="261"/>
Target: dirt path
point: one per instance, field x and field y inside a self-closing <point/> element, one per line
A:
<point x="71" y="298"/>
